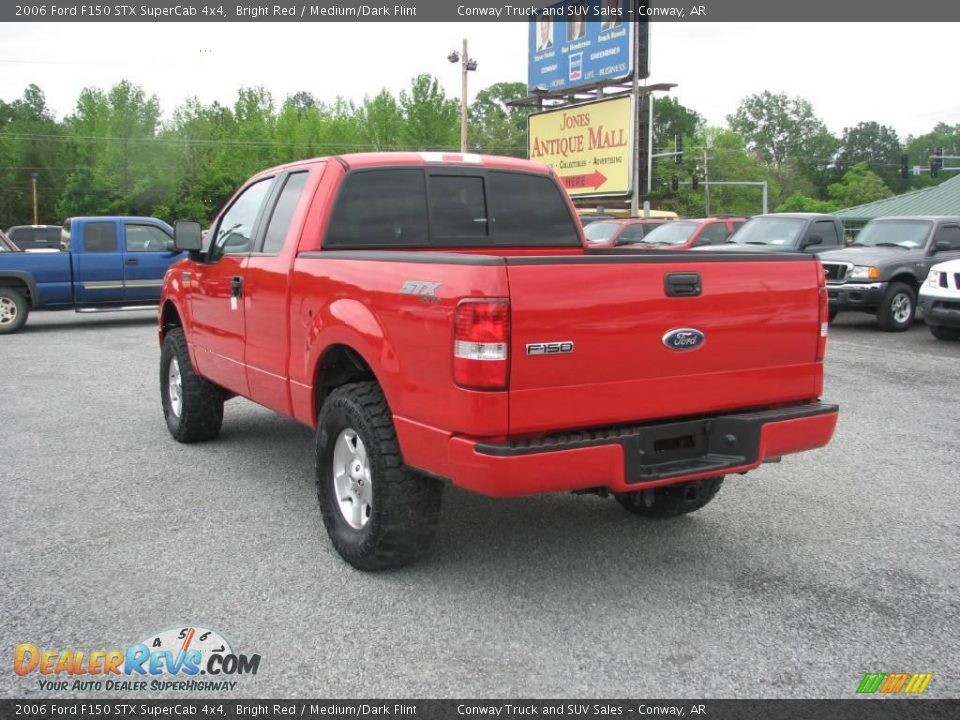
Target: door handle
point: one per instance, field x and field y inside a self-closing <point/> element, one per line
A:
<point x="682" y="284"/>
<point x="131" y="261"/>
<point x="236" y="286"/>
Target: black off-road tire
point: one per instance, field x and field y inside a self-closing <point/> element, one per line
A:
<point x="201" y="414"/>
<point x="885" y="313"/>
<point x="671" y="500"/>
<point x="18" y="305"/>
<point x="941" y="332"/>
<point x="405" y="506"/>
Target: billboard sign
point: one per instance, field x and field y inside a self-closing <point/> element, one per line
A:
<point x="580" y="42"/>
<point x="590" y="147"/>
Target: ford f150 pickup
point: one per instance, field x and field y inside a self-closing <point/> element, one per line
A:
<point x="107" y="262"/>
<point x="438" y="318"/>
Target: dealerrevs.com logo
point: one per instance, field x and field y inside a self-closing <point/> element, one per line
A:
<point x="172" y="659"/>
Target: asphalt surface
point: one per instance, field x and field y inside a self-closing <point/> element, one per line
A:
<point x="797" y="580"/>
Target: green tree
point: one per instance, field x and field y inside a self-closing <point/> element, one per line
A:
<point x="859" y="185"/>
<point x="875" y="144"/>
<point x="786" y="134"/>
<point x="30" y="143"/>
<point x="380" y="122"/>
<point x="116" y="167"/>
<point x="798" y="202"/>
<point x="670" y="119"/>
<point x="431" y="118"/>
<point x="497" y="128"/>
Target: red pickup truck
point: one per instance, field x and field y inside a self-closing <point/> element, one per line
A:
<point x="438" y="318"/>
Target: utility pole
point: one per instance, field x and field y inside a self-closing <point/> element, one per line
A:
<point x="467" y="64"/>
<point x="463" y="101"/>
<point x="36" y="216"/>
<point x="706" y="185"/>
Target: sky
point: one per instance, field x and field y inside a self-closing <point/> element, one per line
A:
<point x="896" y="74"/>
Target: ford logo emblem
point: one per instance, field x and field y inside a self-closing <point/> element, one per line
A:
<point x="684" y="339"/>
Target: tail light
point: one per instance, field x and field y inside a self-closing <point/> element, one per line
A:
<point x="481" y="338"/>
<point x="824" y="323"/>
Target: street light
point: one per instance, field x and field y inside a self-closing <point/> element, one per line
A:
<point x="467" y="64"/>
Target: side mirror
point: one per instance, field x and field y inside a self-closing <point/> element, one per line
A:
<point x="811" y="240"/>
<point x="186" y="236"/>
<point x="941" y="245"/>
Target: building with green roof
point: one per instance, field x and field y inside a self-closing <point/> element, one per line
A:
<point x="942" y="199"/>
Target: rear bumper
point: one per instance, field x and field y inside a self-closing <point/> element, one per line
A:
<point x="850" y="296"/>
<point x="634" y="458"/>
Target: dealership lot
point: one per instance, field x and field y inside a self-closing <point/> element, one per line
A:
<point x="796" y="581"/>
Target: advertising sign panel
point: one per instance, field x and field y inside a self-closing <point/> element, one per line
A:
<point x="580" y="42"/>
<point x="590" y="147"/>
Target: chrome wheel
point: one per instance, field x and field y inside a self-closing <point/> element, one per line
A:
<point x="901" y="308"/>
<point x="8" y="311"/>
<point x="175" y="388"/>
<point x="351" y="479"/>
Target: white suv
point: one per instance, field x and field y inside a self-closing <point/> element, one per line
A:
<point x="940" y="300"/>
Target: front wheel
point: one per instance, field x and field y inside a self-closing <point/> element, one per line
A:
<point x="192" y="407"/>
<point x="944" y="333"/>
<point x="13" y="310"/>
<point x="671" y="500"/>
<point x="378" y="513"/>
<point x="898" y="308"/>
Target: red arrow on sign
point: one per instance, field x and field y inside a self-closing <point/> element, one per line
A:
<point x="590" y="180"/>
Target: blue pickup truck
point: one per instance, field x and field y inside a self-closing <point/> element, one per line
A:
<point x="105" y="262"/>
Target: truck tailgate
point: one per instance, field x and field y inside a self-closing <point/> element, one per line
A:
<point x="588" y="350"/>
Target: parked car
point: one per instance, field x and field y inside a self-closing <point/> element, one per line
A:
<point x="437" y="318"/>
<point x="785" y="232"/>
<point x="688" y="233"/>
<point x="109" y="262"/>
<point x="940" y="300"/>
<point x="612" y="233"/>
<point x="35" y="237"/>
<point x="881" y="272"/>
<point x="6" y="245"/>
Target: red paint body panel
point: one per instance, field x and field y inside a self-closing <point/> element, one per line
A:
<point x="760" y="319"/>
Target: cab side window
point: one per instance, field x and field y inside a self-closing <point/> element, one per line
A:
<point x="147" y="238"/>
<point x="828" y="231"/>
<point x="283" y="213"/>
<point x="950" y="234"/>
<point x="234" y="233"/>
<point x="713" y="234"/>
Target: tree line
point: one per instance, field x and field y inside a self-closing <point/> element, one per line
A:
<point x="116" y="154"/>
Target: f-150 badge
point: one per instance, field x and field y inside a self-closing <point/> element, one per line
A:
<point x="684" y="339"/>
<point x="550" y="348"/>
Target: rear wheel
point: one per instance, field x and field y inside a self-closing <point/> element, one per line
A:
<point x="944" y="333"/>
<point x="671" y="500"/>
<point x="192" y="407"/>
<point x="13" y="310"/>
<point x="898" y="308"/>
<point x="378" y="513"/>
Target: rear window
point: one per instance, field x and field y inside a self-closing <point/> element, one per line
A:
<point x="394" y="208"/>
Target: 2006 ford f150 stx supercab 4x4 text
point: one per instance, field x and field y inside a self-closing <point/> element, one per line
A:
<point x="437" y="318"/>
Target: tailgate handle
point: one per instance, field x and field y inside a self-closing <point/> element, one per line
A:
<point x="682" y="284"/>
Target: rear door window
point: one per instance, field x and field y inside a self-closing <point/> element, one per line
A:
<point x="100" y="237"/>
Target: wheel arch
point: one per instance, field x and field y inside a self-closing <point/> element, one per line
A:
<point x="24" y="281"/>
<point x="338" y="365"/>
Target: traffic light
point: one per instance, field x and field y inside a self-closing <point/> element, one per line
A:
<point x="675" y="184"/>
<point x="678" y="148"/>
<point x="904" y="169"/>
<point x="936" y="162"/>
<point x="695" y="183"/>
